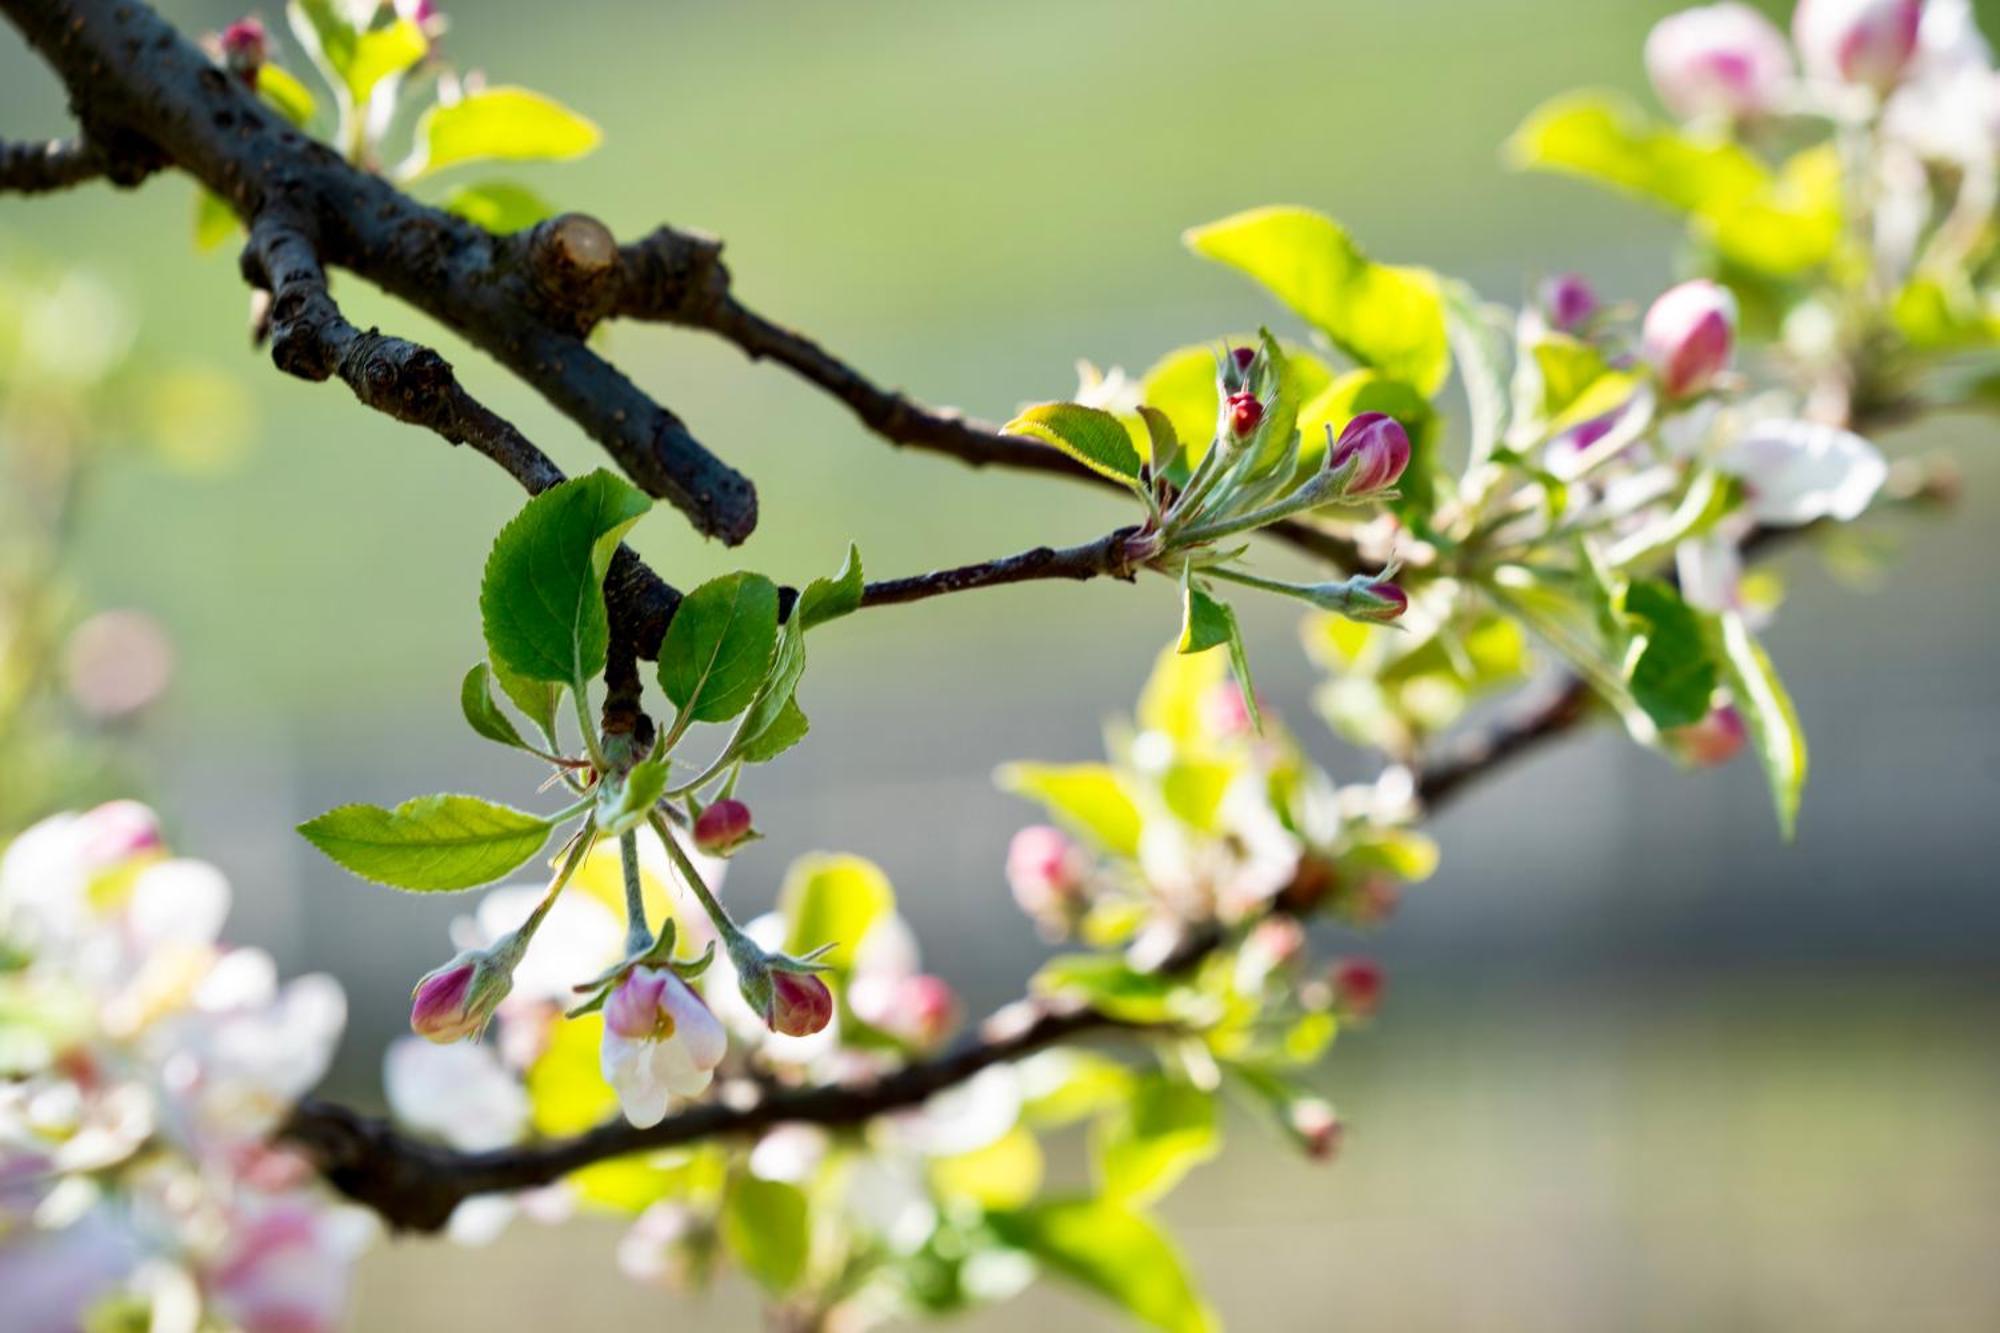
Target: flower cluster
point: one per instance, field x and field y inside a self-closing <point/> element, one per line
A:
<point x="143" y="1069"/>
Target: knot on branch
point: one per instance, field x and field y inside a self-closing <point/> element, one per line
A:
<point x="674" y="276"/>
<point x="573" y="261"/>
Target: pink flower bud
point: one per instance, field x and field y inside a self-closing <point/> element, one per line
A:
<point x="1569" y="300"/>
<point x="1688" y="336"/>
<point x="1379" y="602"/>
<point x="1243" y="356"/>
<point x="1718" y="60"/>
<point x="245" y="45"/>
<point x="722" y="827"/>
<point x="1317" y="1126"/>
<point x="1379" y="449"/>
<point x="1046" y="872"/>
<point x="1713" y="741"/>
<point x="928" y="1010"/>
<point x="456" y="1001"/>
<point x="1245" y="415"/>
<point x="800" y="1004"/>
<point x="1866" y="42"/>
<point x="1357" y="986"/>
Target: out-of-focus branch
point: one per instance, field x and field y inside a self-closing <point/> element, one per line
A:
<point x="415" y="1184"/>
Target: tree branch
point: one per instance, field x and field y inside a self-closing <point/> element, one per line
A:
<point x="58" y="164"/>
<point x="414" y="1184"/>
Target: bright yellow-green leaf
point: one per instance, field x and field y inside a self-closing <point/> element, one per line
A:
<point x="1092" y="437"/>
<point x="383" y="53"/>
<point x="499" y="124"/>
<point x="214" y="221"/>
<point x="1175" y="699"/>
<point x="833" y="900"/>
<point x="630" y="1185"/>
<point x="501" y="207"/>
<point x="1160" y="1133"/>
<point x="1114" y="1251"/>
<point x="286" y="95"/>
<point x="1062" y="1086"/>
<point x="1781" y="225"/>
<point x="566" y="1092"/>
<point x="1006" y="1173"/>
<point x="766" y="1225"/>
<point x="1385" y="316"/>
<point x="1088" y="798"/>
<point x="1767" y="709"/>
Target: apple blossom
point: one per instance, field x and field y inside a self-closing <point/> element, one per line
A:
<point x="1796" y="472"/>
<point x="1376" y="449"/>
<point x="721" y="827"/>
<point x="1569" y="301"/>
<point x="660" y="1042"/>
<point x="1866" y="42"/>
<point x="1722" y="60"/>
<point x="800" y="1004"/>
<point x="1357" y="986"/>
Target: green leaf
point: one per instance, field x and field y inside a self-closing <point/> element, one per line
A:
<point x="501" y="207"/>
<point x="1205" y="622"/>
<point x="1767" y="709"/>
<point x="766" y="1225"/>
<point x="1163" y="443"/>
<point x="1110" y="985"/>
<point x="1111" y="1250"/>
<point x="499" y="124"/>
<point x="538" y="700"/>
<point x="833" y="900"/>
<point x="1781" y="225"/>
<point x="1239" y="663"/>
<point x="1089" y="798"/>
<point x="775" y="695"/>
<point x="542" y="598"/>
<point x="830" y="599"/>
<point x="1161" y="1132"/>
<point x="1480" y="347"/>
<point x="432" y="844"/>
<point x="1568" y="366"/>
<point x="1671" y="675"/>
<point x="475" y="700"/>
<point x="1385" y="316"/>
<point x="286" y="95"/>
<point x="1094" y="438"/>
<point x="355" y="58"/>
<point x="214" y="221"/>
<point x="719" y="646"/>
<point x="785" y="730"/>
<point x="623" y="806"/>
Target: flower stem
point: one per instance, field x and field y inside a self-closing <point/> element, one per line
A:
<point x="638" y="937"/>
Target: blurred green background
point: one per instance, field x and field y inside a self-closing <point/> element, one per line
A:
<point x="1641" y="1066"/>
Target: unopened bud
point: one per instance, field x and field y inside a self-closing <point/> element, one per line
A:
<point x="801" y="1004"/>
<point x="919" y="1010"/>
<point x="1046" y="872"/>
<point x="245" y="45"/>
<point x="1866" y="42"/>
<point x="1718" y="60"/>
<point x="424" y="13"/>
<point x="1713" y="741"/>
<point x="1357" y="986"/>
<point x="457" y="1000"/>
<point x="1569" y="301"/>
<point x="722" y="827"/>
<point x="1375" y="449"/>
<point x="1688" y="336"/>
<point x="1246" y="413"/>
<point x="1317" y="1127"/>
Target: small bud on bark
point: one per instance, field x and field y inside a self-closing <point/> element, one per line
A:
<point x="245" y="46"/>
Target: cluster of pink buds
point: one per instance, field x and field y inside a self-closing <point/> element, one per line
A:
<point x="1049" y="876"/>
<point x="245" y="46"/>
<point x="1689" y="335"/>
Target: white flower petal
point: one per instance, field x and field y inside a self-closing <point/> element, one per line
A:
<point x="459" y="1092"/>
<point x="180" y="900"/>
<point x="1796" y="472"/>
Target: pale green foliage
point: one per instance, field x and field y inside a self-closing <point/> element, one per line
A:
<point x="431" y="843"/>
<point x="499" y="125"/>
<point x="719" y="647"/>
